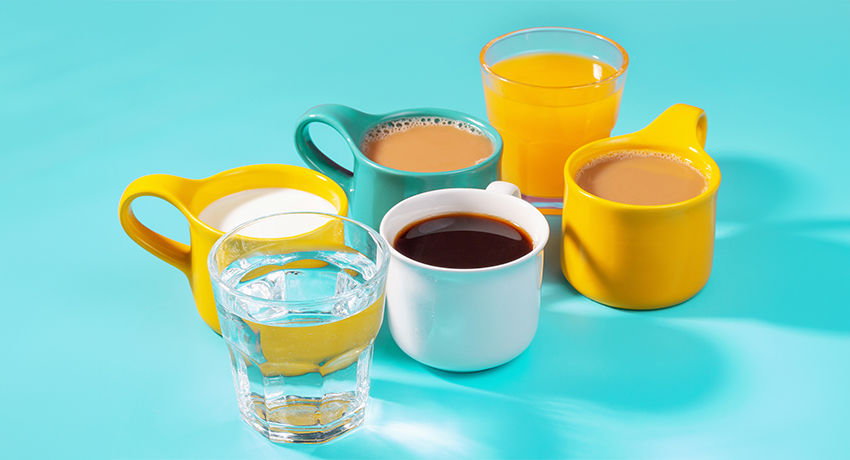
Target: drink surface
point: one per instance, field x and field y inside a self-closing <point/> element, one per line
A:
<point x="301" y="344"/>
<point x="463" y="241"/>
<point x="542" y="121"/>
<point x="553" y="69"/>
<point x="641" y="178"/>
<point x="433" y="145"/>
<point x="229" y="211"/>
<point x="305" y="305"/>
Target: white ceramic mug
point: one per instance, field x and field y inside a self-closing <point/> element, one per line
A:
<point x="465" y="320"/>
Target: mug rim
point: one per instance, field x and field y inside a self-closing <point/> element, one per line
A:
<point x="713" y="182"/>
<point x="620" y="72"/>
<point x="487" y="130"/>
<point x="536" y="248"/>
<point x="382" y="263"/>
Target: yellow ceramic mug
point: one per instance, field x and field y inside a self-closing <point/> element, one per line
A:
<point x="190" y="197"/>
<point x="642" y="257"/>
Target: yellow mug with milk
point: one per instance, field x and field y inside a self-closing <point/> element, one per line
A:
<point x="639" y="214"/>
<point x="219" y="203"/>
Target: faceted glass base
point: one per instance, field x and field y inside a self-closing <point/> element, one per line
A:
<point x="306" y="421"/>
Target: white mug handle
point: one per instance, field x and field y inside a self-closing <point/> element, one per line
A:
<point x="505" y="188"/>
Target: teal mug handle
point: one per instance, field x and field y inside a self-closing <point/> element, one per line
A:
<point x="349" y="123"/>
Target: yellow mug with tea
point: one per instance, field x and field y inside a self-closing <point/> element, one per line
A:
<point x="219" y="203"/>
<point x="639" y="214"/>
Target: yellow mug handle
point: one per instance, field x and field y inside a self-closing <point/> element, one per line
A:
<point x="681" y="124"/>
<point x="168" y="188"/>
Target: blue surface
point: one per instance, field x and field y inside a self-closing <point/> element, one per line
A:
<point x="105" y="356"/>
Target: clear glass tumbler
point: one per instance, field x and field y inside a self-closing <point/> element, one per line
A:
<point x="300" y="299"/>
<point x="548" y="91"/>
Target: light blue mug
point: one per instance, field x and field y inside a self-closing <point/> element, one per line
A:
<point x="373" y="188"/>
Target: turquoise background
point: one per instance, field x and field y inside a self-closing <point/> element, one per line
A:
<point x="104" y="355"/>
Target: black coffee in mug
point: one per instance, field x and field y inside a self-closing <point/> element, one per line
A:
<point x="463" y="240"/>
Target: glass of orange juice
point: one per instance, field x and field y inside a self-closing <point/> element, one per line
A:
<point x="550" y="90"/>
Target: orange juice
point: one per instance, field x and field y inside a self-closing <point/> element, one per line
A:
<point x="545" y="105"/>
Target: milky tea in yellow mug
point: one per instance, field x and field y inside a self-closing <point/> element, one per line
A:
<point x="219" y="203"/>
<point x="642" y="256"/>
<point x="550" y="90"/>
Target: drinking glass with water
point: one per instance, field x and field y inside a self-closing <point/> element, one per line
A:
<point x="300" y="299"/>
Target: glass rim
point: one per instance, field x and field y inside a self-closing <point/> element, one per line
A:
<point x="382" y="262"/>
<point x="613" y="77"/>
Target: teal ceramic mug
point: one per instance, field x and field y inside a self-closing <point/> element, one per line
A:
<point x="373" y="188"/>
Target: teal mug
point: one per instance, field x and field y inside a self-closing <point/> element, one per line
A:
<point x="373" y="188"/>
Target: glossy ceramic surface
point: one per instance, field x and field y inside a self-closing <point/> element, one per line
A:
<point x="465" y="319"/>
<point x="190" y="197"/>
<point x="642" y="257"/>
<point x="373" y="188"/>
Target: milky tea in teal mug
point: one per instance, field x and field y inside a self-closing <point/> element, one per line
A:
<point x="401" y="154"/>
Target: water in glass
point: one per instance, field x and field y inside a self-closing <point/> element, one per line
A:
<point x="300" y="338"/>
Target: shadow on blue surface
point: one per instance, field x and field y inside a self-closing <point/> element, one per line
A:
<point x="750" y="190"/>
<point x="619" y="361"/>
<point x="607" y="361"/>
<point x="790" y="273"/>
<point x="555" y="287"/>
<point x="589" y="362"/>
<point x="578" y="373"/>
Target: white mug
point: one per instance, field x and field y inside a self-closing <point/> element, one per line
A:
<point x="465" y="320"/>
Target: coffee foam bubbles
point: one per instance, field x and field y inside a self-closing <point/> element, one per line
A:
<point x="626" y="154"/>
<point x="398" y="125"/>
